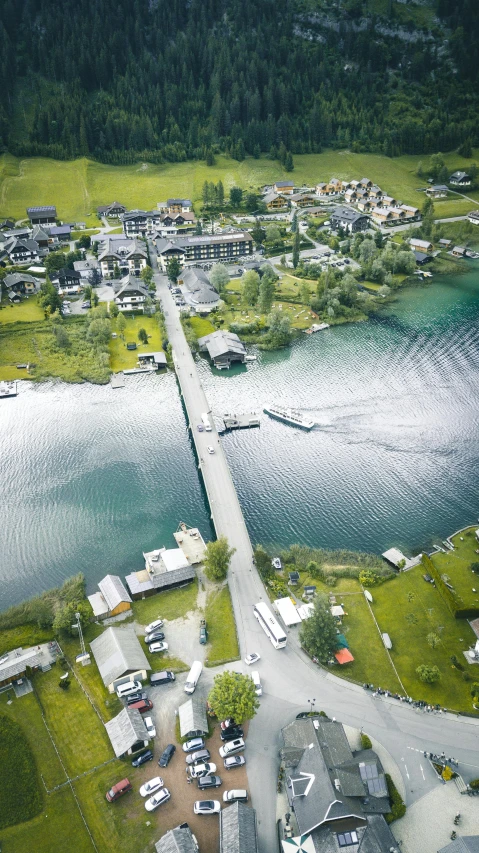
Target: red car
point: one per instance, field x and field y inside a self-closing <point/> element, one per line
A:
<point x="142" y="706"/>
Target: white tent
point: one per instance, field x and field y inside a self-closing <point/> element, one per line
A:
<point x="305" y="610"/>
<point x="300" y="844"/>
<point x="287" y="611"/>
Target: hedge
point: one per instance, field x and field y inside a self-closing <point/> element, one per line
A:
<point x="454" y="601"/>
<point x="398" y="808"/>
<point x="22" y="796"/>
<point x="366" y="742"/>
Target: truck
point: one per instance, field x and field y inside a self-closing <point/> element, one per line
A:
<point x="206" y="421"/>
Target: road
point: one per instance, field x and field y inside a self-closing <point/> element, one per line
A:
<point x="289" y="678"/>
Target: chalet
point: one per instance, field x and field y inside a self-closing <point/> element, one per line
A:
<point x="460" y="179"/>
<point x="66" y="280"/>
<point x="112" y="211"/>
<point x="179" y="205"/>
<point x="224" y="348"/>
<point x="140" y="222"/>
<point x="322" y="189"/>
<point x="458" y="251"/>
<point x="365" y="206"/>
<point x="335" y="186"/>
<point x="131" y="294"/>
<point x="89" y="270"/>
<point x="420" y="245"/>
<point x="119" y="656"/>
<point x="42" y="215"/>
<point x="21" y="251"/>
<point x="349" y="220"/>
<point x="111" y="600"/>
<point x="198" y="292"/>
<point x="7" y="225"/>
<point x="345" y="185"/>
<point x="375" y="192"/>
<point x="302" y="200"/>
<point x="388" y="201"/>
<point x="284" y="187"/>
<point x="350" y="196"/>
<point x="61" y="232"/>
<point x="444" y="244"/>
<point x="473" y="217"/>
<point x="19" y="282"/>
<point x="275" y="201"/>
<point x="397" y="212"/>
<point x="177" y="219"/>
<point x="365" y="183"/>
<point x="127" y="732"/>
<point x="437" y="191"/>
<point x="41" y="236"/>
<point x="128" y="255"/>
<point x="411" y="212"/>
<point x="196" y="249"/>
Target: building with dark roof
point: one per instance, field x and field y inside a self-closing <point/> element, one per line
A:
<point x="460" y="179"/>
<point x="66" y="279"/>
<point x="204" y="247"/>
<point x="124" y="254"/>
<point x="193" y="720"/>
<point x="21" y="282"/>
<point x="464" y="844"/>
<point x="284" y="186"/>
<point x="22" y="250"/>
<point x="349" y="220"/>
<point x="113" y="210"/>
<point x="140" y="222"/>
<point x="42" y="215"/>
<point x="223" y="348"/>
<point x="132" y="294"/>
<point x="238" y="830"/>
<point x="178" y="840"/>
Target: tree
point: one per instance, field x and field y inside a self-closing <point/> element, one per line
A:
<point x="210" y="157"/>
<point x="475" y="691"/>
<point x="205" y="194"/>
<point x="94" y="299"/>
<point x="288" y="163"/>
<point x="236" y="196"/>
<point x="61" y="337"/>
<point x="368" y="578"/>
<point x="54" y="262"/>
<point x="295" y="257"/>
<point x="147" y="274"/>
<point x="273" y="234"/>
<point x="219" y="277"/>
<point x="48" y="298"/>
<point x="99" y="332"/>
<point x="65" y="616"/>
<point x="113" y="309"/>
<point x="121" y="324"/>
<point x="233" y="696"/>
<point x="220" y="193"/>
<point x="428" y="674"/>
<point x="217" y="559"/>
<point x="258" y="233"/>
<point x="250" y="282"/>
<point x="266" y="294"/>
<point x="143" y="336"/>
<point x="433" y="640"/>
<point x="279" y="328"/>
<point x="294" y="223"/>
<point x="305" y="293"/>
<point x="173" y="269"/>
<point x="318" y="633"/>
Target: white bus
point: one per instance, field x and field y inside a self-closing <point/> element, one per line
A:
<point x="269" y="625"/>
<point x="206" y="422"/>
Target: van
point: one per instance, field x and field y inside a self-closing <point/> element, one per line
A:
<point x="257" y="683"/>
<point x="239" y="795"/>
<point x="193" y="676"/>
<point x="118" y="790"/>
<point x="128" y="688"/>
<point x="164" y="677"/>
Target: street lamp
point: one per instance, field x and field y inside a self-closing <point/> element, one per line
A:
<point x="312" y="703"/>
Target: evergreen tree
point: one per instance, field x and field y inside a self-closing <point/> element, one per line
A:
<point x="295" y="257"/>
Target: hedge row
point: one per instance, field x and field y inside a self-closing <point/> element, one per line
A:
<point x="453" y="601"/>
<point x="398" y="809"/>
<point x="21" y="795"/>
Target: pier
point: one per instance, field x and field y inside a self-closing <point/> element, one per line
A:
<point x="245" y="421"/>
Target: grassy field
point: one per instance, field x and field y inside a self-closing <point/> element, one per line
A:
<point x="27" y="311"/>
<point x="235" y="311"/>
<point x="201" y="326"/>
<point x="171" y="604"/>
<point x="24" y="635"/>
<point x="57" y="828"/>
<point x="457" y="565"/>
<point x="123" y="359"/>
<point x="24" y="800"/>
<point x="107" y="704"/>
<point x="77" y="187"/>
<point x="221" y="627"/>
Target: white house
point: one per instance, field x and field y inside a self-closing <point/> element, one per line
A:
<point x="132" y="294"/>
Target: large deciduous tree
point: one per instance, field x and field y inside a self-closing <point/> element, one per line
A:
<point x="219" y="277"/>
<point x="217" y="559"/>
<point x="250" y="281"/>
<point x="233" y="695"/>
<point x="318" y="633"/>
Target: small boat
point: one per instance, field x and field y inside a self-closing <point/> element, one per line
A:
<point x="250" y="358"/>
<point x="276" y="563"/>
<point x="289" y="416"/>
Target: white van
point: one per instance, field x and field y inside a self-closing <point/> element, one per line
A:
<point x="193" y="676"/>
<point x="206" y="422"/>
<point x="127" y="689"/>
<point x="257" y="683"/>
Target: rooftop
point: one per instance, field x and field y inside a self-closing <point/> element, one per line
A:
<point x="117" y="651"/>
<point x="238" y="832"/>
<point x="126" y="729"/>
<point x="192" y="716"/>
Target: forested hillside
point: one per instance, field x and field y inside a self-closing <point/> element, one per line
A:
<point x="179" y="79"/>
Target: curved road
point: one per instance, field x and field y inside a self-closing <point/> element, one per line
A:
<point x="289" y="678"/>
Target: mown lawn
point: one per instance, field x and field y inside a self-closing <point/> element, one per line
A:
<point x="107" y="703"/>
<point x="371" y="662"/>
<point x="220" y="624"/>
<point x="77" y="187"/>
<point x="457" y="565"/>
<point x="201" y="326"/>
<point x="168" y="605"/>
<point x="123" y="359"/>
<point x="26" y="311"/>
<point x="58" y="828"/>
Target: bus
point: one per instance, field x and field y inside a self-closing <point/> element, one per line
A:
<point x="206" y="422"/>
<point x="269" y="625"/>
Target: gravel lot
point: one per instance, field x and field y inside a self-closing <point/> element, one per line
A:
<point x="428" y="823"/>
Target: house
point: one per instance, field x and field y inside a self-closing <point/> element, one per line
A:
<point x="176" y="220"/>
<point x="132" y="294"/>
<point x="365" y="206"/>
<point x="112" y="211"/>
<point x="238" y="829"/>
<point x="178" y="840"/>
<point x="387" y="201"/>
<point x="349" y="220"/>
<point x="119" y="657"/>
<point x="14" y="664"/>
<point x="460" y="179"/>
<point x="140" y="222"/>
<point x="206" y="247"/>
<point x="164" y="569"/>
<point x="284" y="187"/>
<point x="322" y="189"/>
<point x="365" y="183"/>
<point x="444" y="243"/>
<point x="462" y="844"/>
<point x="422" y="258"/>
<point x="20" y="282"/>
<point x="127" y="732"/>
<point x="193" y="719"/>
<point x="7" y="225"/>
<point x="397" y="212"/>
<point x="224" y="348"/>
<point x="375" y="192"/>
<point x="458" y="251"/>
<point x="421" y="245"/>
<point x="302" y="200"/>
<point x="339" y="798"/>
<point x="382" y="215"/>
<point x="42" y="215"/>
<point x="179" y="205"/>
<point x="67" y="281"/>
<point x="437" y="191"/>
<point x="41" y="236"/>
<point x="21" y="250"/>
<point x="14" y="297"/>
<point x="350" y="195"/>
<point x="275" y="201"/>
<point x="156" y="359"/>
<point x="124" y="254"/>
<point x="111" y="600"/>
<point x="61" y="232"/>
<point x="198" y="291"/>
<point x="411" y="212"/>
<point x="89" y="270"/>
<point x="473" y="217"/>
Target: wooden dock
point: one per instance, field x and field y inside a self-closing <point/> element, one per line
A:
<point x="243" y="421"/>
<point x="8" y="389"/>
<point x="117" y="381"/>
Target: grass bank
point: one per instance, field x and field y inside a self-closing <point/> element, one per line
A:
<point x="168" y="605"/>
<point x="220" y="623"/>
<point x="123" y="359"/>
<point x="457" y="566"/>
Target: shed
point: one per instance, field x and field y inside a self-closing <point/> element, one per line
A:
<point x="305" y="610"/>
<point x="422" y="258"/>
<point x="118" y="653"/>
<point x="238" y="832"/>
<point x="156" y="358"/>
<point x="127" y="732"/>
<point x="193" y="720"/>
<point x="293" y="578"/>
<point x="395" y="557"/>
<point x="343" y="656"/>
<point x="177" y="840"/>
<point x="310" y="590"/>
<point x="387" y="641"/>
<point x="287" y="611"/>
<point x="112" y="599"/>
<point x="337" y="610"/>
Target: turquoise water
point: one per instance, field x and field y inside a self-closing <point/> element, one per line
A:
<point x="91" y="477"/>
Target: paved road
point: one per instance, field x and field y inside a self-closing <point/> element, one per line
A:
<point x="289" y="677"/>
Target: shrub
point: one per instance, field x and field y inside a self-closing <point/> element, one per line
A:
<point x="331" y="580"/>
<point x="24" y="799"/>
<point x="428" y="674"/>
<point x="368" y="578"/>
<point x="398" y="808"/>
<point x="466" y="676"/>
<point x="474" y="784"/>
<point x="456" y="663"/>
<point x="366" y="742"/>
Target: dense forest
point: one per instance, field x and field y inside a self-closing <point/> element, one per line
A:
<point x="169" y="81"/>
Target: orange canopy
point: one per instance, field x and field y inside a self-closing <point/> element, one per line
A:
<point x="343" y="656"/>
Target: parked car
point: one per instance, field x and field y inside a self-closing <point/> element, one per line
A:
<point x="128" y="688"/>
<point x="167" y="755"/>
<point x="158" y="623"/>
<point x="238" y="795"/>
<point x="231" y="747"/>
<point x="150" y="727"/>
<point x="158" y="799"/>
<point x="227" y="724"/>
<point x="209" y="782"/>
<point x="164" y="677"/>
<point x="151" y="787"/>
<point x="234" y="761"/>
<point x="252" y="658"/>
<point x="203" y="633"/>
<point x="201" y="769"/>
<point x="193" y="744"/>
<point x="207" y="807"/>
<point x="200" y="428"/>
<point x="143" y="758"/>
<point x="231" y="733"/>
<point x="86" y="304"/>
<point x="210" y="449"/>
<point x="154" y="637"/>
<point x="117" y="791"/>
<point x="143" y="705"/>
<point x="158" y="647"/>
<point x="136" y="697"/>
<point x="196" y="757"/>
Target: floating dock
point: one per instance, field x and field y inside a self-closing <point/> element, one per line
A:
<point x="139" y="370"/>
<point x="117" y="381"/>
<point x="235" y="421"/>
<point x="8" y="389"/>
<point x="317" y="327"/>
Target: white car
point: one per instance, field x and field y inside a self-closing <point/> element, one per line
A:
<point x="198" y="770"/>
<point x="151" y="787"/>
<point x="158" y="647"/>
<point x="252" y="658"/>
<point x="232" y="746"/>
<point x="158" y="799"/>
<point x="158" y="623"/>
<point x="150" y="728"/>
<point x="207" y="807"/>
<point x="210" y="449"/>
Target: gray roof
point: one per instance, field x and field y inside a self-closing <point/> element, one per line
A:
<point x="17" y="278"/>
<point x="122" y="248"/>
<point x="284" y="183"/>
<point x="459" y="175"/>
<point x="185" y="202"/>
<point x="192" y="716"/>
<point x="179" y="244"/>
<point x="220" y="342"/>
<point x="238" y="829"/>
<point x="126" y="729"/>
<point x="347" y="213"/>
<point x="271" y="197"/>
<point x="178" y="840"/>
<point x="131" y="284"/>
<point x="48" y="209"/>
<point x="39" y="233"/>
<point x="199" y="286"/>
<point x="464" y="844"/>
<point x="173" y="578"/>
<point x="117" y="651"/>
<point x="334" y="743"/>
<point x="19" y="242"/>
<point x="65" y="273"/>
<point x="113" y="591"/>
<point x="16" y="662"/>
